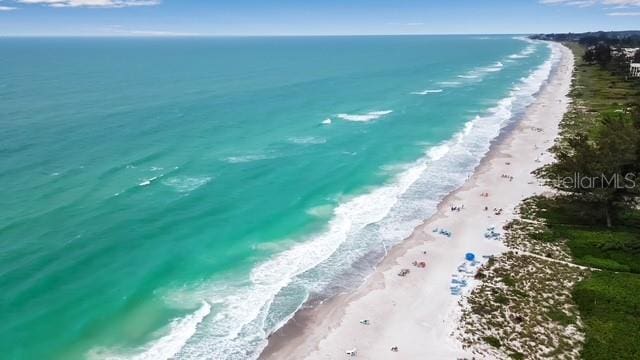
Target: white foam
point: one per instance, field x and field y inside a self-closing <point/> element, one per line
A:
<point x="438" y="152"/>
<point x="237" y="327"/>
<point x="321" y="211"/>
<point x="307" y="140"/>
<point x="394" y="169"/>
<point x="426" y="92"/>
<point x="247" y="158"/>
<point x="372" y="115"/>
<point x="148" y="182"/>
<point x="186" y="183"/>
<point x="524" y="53"/>
<point x="383" y="216"/>
<point x="525" y="39"/>
<point x="480" y="72"/>
<point x="326" y="121"/>
<point x="449" y="83"/>
<point x="494" y="68"/>
<point x="180" y="331"/>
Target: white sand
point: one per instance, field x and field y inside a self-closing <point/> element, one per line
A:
<point x="417" y="313"/>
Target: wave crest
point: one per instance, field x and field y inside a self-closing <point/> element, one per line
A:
<point x="372" y="115"/>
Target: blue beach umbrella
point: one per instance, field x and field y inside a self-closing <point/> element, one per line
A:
<point x="470" y="256"/>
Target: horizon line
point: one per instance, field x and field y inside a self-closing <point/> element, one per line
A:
<point x="197" y="35"/>
<point x="177" y="35"/>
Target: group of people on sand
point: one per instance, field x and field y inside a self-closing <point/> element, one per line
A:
<point x="506" y="176"/>
<point x="444" y="232"/>
<point x="457" y="208"/>
<point x="496" y="211"/>
<point x="419" y="264"/>
<point x="354" y="352"/>
<point x="404" y="272"/>
<point x="492" y="233"/>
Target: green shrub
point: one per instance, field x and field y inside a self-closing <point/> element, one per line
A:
<point x="493" y="341"/>
<point x="609" y="305"/>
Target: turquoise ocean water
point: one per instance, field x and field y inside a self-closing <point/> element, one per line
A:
<point x="183" y="197"/>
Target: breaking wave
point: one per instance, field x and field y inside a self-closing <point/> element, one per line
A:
<point x="235" y="318"/>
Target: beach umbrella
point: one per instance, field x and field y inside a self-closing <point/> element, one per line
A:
<point x="470" y="256"/>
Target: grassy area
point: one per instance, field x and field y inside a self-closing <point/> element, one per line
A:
<point x="579" y="226"/>
<point x="598" y="89"/>
<point x="609" y="304"/>
<point x="608" y="300"/>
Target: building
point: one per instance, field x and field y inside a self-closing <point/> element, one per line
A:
<point x="629" y="52"/>
<point x="634" y="70"/>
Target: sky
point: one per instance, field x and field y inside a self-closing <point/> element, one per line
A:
<point x="311" y="17"/>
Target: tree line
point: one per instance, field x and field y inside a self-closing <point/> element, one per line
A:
<point x="600" y="166"/>
<point x="614" y="58"/>
<point x="599" y="162"/>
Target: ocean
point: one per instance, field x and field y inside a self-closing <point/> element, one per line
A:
<point x="184" y="197"/>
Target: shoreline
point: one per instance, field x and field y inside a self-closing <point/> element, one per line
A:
<point x="417" y="313"/>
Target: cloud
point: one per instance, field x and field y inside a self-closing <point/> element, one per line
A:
<point x="7" y="8"/>
<point x="622" y="3"/>
<point x="630" y="13"/>
<point x="119" y="30"/>
<point x="585" y="3"/>
<point x="92" y="3"/>
<point x="578" y="3"/>
<point x="161" y="33"/>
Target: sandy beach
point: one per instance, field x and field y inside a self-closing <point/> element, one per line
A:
<point x="417" y="313"/>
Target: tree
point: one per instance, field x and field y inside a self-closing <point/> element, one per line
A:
<point x="600" y="167"/>
<point x="589" y="56"/>
<point x="602" y="54"/>
<point x="588" y="40"/>
<point x="619" y="63"/>
<point x="636" y="57"/>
